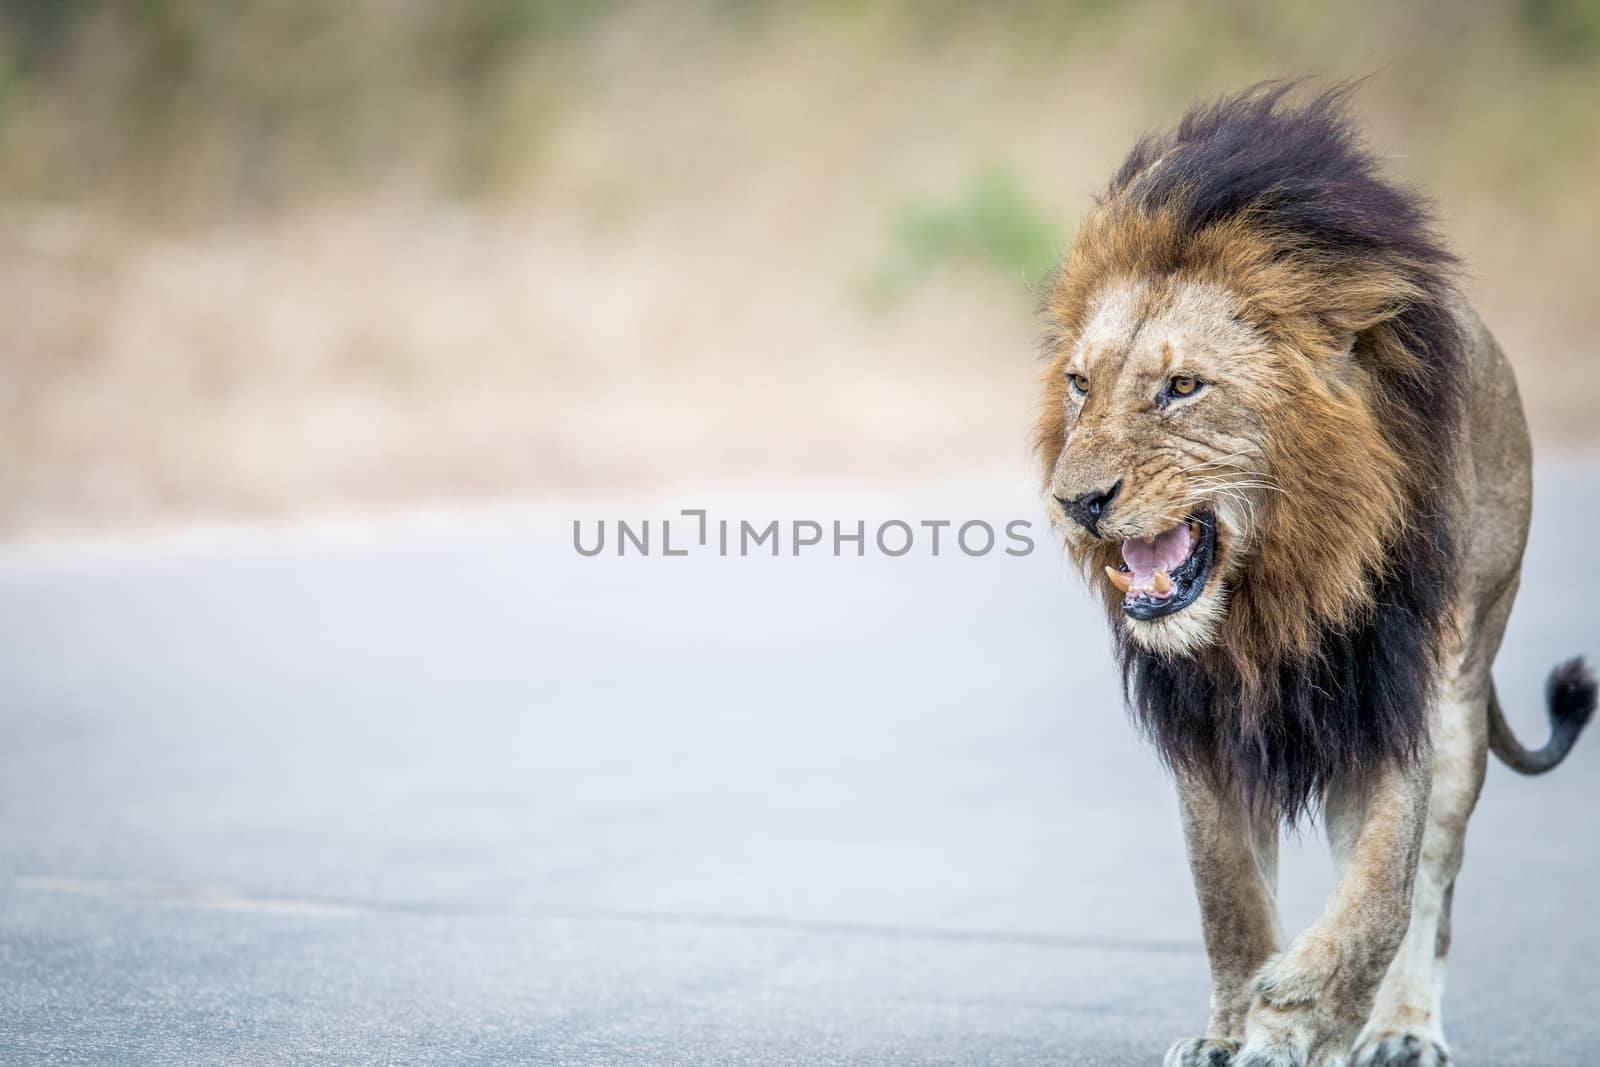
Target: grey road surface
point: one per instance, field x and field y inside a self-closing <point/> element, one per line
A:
<point x="438" y="790"/>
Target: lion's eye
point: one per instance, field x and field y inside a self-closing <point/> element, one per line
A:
<point x="1184" y="385"/>
<point x="1080" y="384"/>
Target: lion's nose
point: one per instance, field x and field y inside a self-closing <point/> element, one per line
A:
<point x="1087" y="509"/>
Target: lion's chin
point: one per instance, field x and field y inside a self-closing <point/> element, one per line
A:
<point x="1185" y="633"/>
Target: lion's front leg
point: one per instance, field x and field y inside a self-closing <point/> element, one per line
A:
<point x="1310" y="1003"/>
<point x="1234" y="856"/>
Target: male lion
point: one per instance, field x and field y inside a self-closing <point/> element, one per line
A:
<point x="1296" y="466"/>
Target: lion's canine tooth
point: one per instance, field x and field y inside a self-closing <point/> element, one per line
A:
<point x="1163" y="583"/>
<point x="1120" y="580"/>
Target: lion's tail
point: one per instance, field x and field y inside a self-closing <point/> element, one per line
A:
<point x="1570" y="700"/>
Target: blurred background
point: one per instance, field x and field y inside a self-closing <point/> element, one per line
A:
<point x="302" y="761"/>
<point x="263" y="258"/>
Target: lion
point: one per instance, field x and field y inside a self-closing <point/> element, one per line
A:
<point x="1295" y="464"/>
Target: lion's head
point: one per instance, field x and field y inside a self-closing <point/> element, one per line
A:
<point x="1246" y="345"/>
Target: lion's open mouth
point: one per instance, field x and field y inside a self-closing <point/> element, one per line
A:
<point x="1166" y="573"/>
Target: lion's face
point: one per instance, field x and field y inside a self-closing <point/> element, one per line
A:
<point x="1162" y="474"/>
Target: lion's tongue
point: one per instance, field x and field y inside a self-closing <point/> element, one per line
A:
<point x="1163" y="552"/>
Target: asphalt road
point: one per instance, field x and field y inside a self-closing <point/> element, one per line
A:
<point x="440" y="790"/>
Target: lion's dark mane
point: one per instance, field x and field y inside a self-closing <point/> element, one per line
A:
<point x="1362" y="697"/>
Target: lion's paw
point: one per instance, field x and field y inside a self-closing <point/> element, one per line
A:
<point x="1276" y="1054"/>
<point x="1299" y="977"/>
<point x="1284" y="1056"/>
<point x="1401" y="1048"/>
<point x="1201" y="1052"/>
<point x="1299" y="1037"/>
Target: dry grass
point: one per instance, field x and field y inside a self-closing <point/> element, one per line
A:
<point x="678" y="281"/>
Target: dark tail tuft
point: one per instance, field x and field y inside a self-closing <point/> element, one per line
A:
<point x="1570" y="697"/>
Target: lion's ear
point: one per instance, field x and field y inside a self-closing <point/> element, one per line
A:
<point x="1338" y="367"/>
<point x="1347" y="349"/>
